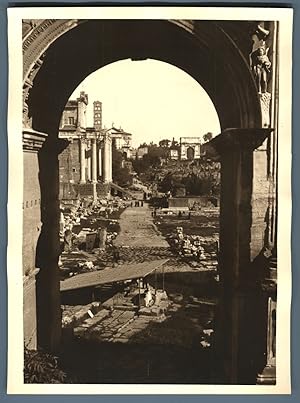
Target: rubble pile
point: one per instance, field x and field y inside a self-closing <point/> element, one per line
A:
<point x="195" y="248"/>
<point x="209" y="212"/>
<point x="75" y="215"/>
<point x="87" y="232"/>
<point x="86" y="217"/>
<point x="88" y="265"/>
<point x="74" y="315"/>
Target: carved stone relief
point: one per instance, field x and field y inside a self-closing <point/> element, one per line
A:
<point x="260" y="65"/>
<point x="37" y="36"/>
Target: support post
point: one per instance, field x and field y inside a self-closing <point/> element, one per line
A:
<point x="82" y="161"/>
<point x="237" y="320"/>
<point x="94" y="161"/>
<point x="48" y="248"/>
<point x="107" y="159"/>
<point x="88" y="162"/>
<point x="32" y="144"/>
<point x="100" y="161"/>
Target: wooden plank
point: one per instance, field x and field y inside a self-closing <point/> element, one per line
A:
<point x="111" y="275"/>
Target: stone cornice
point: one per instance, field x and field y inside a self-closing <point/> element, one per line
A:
<point x="243" y="139"/>
<point x="30" y="276"/>
<point x="33" y="140"/>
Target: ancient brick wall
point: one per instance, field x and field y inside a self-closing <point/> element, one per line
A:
<point x="69" y="163"/>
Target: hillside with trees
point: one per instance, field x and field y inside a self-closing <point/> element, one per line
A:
<point x="199" y="177"/>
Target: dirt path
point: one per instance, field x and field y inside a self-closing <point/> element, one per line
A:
<point x="138" y="229"/>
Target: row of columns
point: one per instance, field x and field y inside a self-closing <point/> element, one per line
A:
<point x="97" y="163"/>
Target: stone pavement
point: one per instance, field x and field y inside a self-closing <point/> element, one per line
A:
<point x="183" y="324"/>
<point x="138" y="230"/>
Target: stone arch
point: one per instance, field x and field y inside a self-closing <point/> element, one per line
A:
<point x="59" y="54"/>
<point x="190" y="153"/>
<point x="56" y="67"/>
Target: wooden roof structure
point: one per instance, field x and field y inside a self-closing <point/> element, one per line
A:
<point x="111" y="275"/>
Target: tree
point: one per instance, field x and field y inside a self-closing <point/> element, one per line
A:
<point x="207" y="137"/>
<point x="164" y="143"/>
<point x="142" y="165"/>
<point x="121" y="175"/>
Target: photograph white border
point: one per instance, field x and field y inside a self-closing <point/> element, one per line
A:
<point x="15" y="383"/>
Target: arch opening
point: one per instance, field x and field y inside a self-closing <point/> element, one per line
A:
<point x="190" y="152"/>
<point x="151" y="99"/>
<point x="94" y="44"/>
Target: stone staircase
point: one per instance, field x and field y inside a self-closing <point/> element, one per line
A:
<point x="119" y="189"/>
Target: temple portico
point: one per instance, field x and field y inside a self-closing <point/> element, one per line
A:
<point x="88" y="158"/>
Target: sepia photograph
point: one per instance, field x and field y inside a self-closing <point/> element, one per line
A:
<point x="149" y="200"/>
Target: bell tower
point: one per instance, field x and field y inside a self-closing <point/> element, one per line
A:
<point x="98" y="115"/>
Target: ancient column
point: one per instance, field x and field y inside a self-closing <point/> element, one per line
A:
<point x="82" y="160"/>
<point x="100" y="160"/>
<point x="110" y="162"/>
<point x="94" y="161"/>
<point x="107" y="160"/>
<point x="88" y="162"/>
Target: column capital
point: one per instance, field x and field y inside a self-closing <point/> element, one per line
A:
<point x="107" y="137"/>
<point x="82" y="137"/>
<point x="32" y="140"/>
<point x="233" y="139"/>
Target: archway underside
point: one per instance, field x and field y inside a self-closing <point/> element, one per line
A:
<point x="208" y="55"/>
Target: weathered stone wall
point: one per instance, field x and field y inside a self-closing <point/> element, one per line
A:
<point x="86" y="189"/>
<point x="70" y="116"/>
<point x="190" y="201"/>
<point x="69" y="163"/>
<point x="31" y="210"/>
<point x="31" y="232"/>
<point x="260" y="201"/>
<point x="29" y="312"/>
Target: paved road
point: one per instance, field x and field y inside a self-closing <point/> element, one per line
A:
<point x="138" y="229"/>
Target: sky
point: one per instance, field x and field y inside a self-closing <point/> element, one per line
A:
<point x="151" y="99"/>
